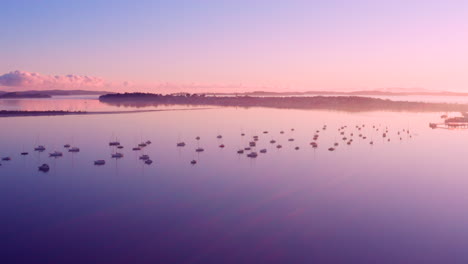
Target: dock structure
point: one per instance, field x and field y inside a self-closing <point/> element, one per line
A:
<point x="449" y="125"/>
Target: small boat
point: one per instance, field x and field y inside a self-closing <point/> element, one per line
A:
<point x="336" y="144"/>
<point x="240" y="151"/>
<point x="219" y="136"/>
<point x="66" y="145"/>
<point x="247" y="148"/>
<point x="252" y="155"/>
<point x="193" y="162"/>
<point x="44" y="168"/>
<point x="221" y="146"/>
<point x="197" y="138"/>
<point x="74" y="149"/>
<point x="263" y="151"/>
<point x="148" y="142"/>
<point x="99" y="162"/>
<point x="120" y="147"/>
<point x="142" y="145"/>
<point x="331" y="149"/>
<point x="144" y="157"/>
<point x="265" y="132"/>
<point x="242" y="134"/>
<point x="281" y="132"/>
<point x="296" y="148"/>
<point x="372" y="142"/>
<point x="136" y="148"/>
<point x="117" y="155"/>
<point x="252" y="144"/>
<point x="291" y="139"/>
<point x="56" y="154"/>
<point x="272" y="141"/>
<point x="181" y="144"/>
<point x="279" y="146"/>
<point x="24" y="153"/>
<point x="114" y="143"/>
<point x="39" y="148"/>
<point x="148" y="161"/>
<point x="6" y="159"/>
<point x="199" y="150"/>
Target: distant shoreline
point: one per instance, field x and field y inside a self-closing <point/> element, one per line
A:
<point x="340" y="103"/>
<point x="6" y="113"/>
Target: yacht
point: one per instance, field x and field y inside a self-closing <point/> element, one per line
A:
<point x="56" y="154"/>
<point x="117" y="155"/>
<point x="199" y="150"/>
<point x="74" y="149"/>
<point x="44" y="168"/>
<point x="99" y="162"/>
<point x="252" y="155"/>
<point x="39" y="148"/>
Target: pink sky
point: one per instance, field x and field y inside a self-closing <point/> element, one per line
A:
<point x="236" y="45"/>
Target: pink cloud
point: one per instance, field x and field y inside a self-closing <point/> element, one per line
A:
<point x="31" y="80"/>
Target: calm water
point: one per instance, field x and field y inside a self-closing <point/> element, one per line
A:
<point x="403" y="201"/>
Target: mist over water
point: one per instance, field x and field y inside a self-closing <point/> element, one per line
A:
<point x="397" y="201"/>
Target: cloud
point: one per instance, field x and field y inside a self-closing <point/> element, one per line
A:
<point x="30" y="80"/>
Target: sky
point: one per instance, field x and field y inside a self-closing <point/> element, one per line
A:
<point x="236" y="45"/>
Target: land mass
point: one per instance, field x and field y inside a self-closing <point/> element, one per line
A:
<point x="344" y="103"/>
<point x="49" y="93"/>
<point x="16" y="95"/>
<point x="384" y="92"/>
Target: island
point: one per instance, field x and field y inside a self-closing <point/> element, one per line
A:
<point x="343" y="103"/>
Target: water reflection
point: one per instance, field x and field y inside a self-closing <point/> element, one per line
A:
<point x="390" y="202"/>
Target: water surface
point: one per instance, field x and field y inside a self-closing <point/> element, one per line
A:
<point x="402" y="201"/>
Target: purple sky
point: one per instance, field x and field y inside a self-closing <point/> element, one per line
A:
<point x="234" y="45"/>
